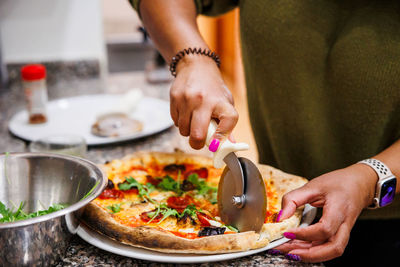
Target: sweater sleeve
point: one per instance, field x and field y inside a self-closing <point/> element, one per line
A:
<point x="204" y="7"/>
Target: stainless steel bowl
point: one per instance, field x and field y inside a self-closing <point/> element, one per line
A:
<point x="44" y="179"/>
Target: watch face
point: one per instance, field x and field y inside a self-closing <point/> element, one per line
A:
<point x="388" y="190"/>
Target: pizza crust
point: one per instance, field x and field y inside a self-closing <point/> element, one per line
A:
<point x="164" y="241"/>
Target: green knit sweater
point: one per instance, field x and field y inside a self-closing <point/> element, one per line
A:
<point x="323" y="81"/>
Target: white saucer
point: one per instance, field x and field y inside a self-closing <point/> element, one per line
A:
<point x="113" y="246"/>
<point x="76" y="115"/>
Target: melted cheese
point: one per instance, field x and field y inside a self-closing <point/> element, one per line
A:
<point x="188" y="230"/>
<point x="215" y="223"/>
<point x="160" y="196"/>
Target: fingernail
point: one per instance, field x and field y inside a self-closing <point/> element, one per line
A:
<point x="278" y="218"/>
<point x="214" y="145"/>
<point x="293" y="257"/>
<point x="289" y="235"/>
<point x="274" y="252"/>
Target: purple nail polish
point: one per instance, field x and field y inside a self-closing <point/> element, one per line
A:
<point x="214" y="145"/>
<point x="292" y="257"/>
<point x="274" y="252"/>
<point x="278" y="218"/>
<point x="289" y="235"/>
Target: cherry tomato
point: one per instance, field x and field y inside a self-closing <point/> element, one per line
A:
<point x="111" y="193"/>
<point x="203" y="219"/>
<point x="179" y="203"/>
<point x="202" y="173"/>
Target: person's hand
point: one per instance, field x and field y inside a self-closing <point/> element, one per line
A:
<point x="342" y="194"/>
<point x="197" y="95"/>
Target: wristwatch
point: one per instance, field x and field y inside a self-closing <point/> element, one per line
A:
<point x="386" y="185"/>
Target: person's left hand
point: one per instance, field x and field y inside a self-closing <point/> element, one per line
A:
<point x="342" y="194"/>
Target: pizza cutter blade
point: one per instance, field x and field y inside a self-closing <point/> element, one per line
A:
<point x="242" y="197"/>
<point x="242" y="200"/>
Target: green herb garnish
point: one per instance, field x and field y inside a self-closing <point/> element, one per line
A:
<point x="169" y="184"/>
<point x="154" y="214"/>
<point x="166" y="211"/>
<point x="201" y="185"/>
<point x="232" y="228"/>
<point x="190" y="210"/>
<point x="8" y="215"/>
<point x="115" y="208"/>
<point x="203" y="188"/>
<point x="143" y="190"/>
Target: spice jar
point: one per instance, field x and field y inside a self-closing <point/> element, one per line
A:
<point x="34" y="84"/>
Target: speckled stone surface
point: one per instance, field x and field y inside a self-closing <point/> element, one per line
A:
<point x="80" y="253"/>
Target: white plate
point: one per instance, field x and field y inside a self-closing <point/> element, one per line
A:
<point x="110" y="245"/>
<point x="76" y="115"/>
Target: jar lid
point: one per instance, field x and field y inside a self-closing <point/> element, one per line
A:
<point x="33" y="72"/>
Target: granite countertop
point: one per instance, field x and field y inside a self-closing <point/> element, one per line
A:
<point x="80" y="253"/>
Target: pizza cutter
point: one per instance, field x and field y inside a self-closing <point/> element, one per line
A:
<point x="242" y="198"/>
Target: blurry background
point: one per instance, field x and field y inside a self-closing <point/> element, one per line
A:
<point x="104" y="39"/>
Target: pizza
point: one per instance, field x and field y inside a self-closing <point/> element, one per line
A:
<point x="167" y="202"/>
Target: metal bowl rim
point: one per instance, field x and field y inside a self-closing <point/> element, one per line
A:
<point x="76" y="206"/>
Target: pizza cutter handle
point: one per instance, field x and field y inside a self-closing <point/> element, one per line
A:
<point x="225" y="148"/>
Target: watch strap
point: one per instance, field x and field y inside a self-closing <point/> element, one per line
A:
<point x="379" y="167"/>
<point x="383" y="172"/>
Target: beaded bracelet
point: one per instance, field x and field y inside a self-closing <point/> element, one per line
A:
<point x="187" y="51"/>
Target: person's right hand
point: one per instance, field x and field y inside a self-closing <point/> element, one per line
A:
<point x="199" y="94"/>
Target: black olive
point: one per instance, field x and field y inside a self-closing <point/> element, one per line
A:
<point x="209" y="231"/>
<point x="110" y="184"/>
<point x="187" y="186"/>
<point x="106" y="162"/>
<point x="174" y="168"/>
